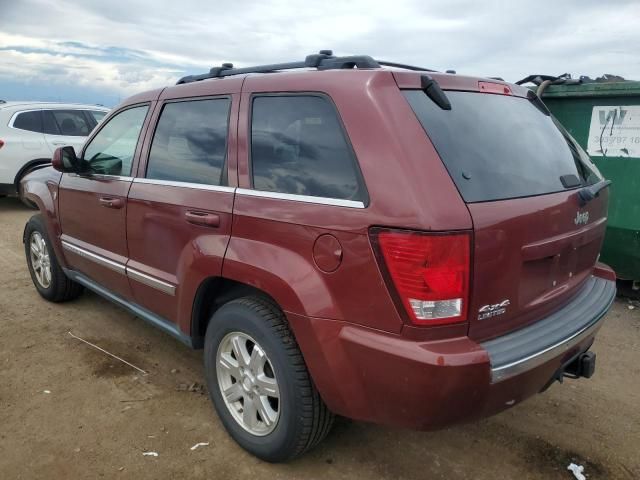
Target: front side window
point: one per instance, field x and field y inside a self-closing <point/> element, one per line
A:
<point x="30" y="121"/>
<point x="71" y="123"/>
<point x="97" y="115"/>
<point x="111" y="151"/>
<point x="190" y="142"/>
<point x="298" y="147"/>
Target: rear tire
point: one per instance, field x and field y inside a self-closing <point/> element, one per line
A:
<point x="298" y="416"/>
<point x="46" y="273"/>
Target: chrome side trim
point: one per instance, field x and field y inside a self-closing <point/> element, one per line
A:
<point x="122" y="269"/>
<point x="151" y="281"/>
<point x="99" y="259"/>
<point x="101" y="176"/>
<point x="336" y="202"/>
<point x="197" y="186"/>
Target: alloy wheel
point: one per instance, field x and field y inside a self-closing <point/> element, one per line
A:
<point x="248" y="383"/>
<point x="40" y="260"/>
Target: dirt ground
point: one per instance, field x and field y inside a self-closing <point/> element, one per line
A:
<point x="68" y="411"/>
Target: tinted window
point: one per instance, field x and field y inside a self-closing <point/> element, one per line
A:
<point x="111" y="150"/>
<point x="30" y="121"/>
<point x="190" y="142"/>
<point x="97" y="115"/>
<point x="298" y="147"/>
<point x="49" y="125"/>
<point x="71" y="123"/>
<point x="499" y="146"/>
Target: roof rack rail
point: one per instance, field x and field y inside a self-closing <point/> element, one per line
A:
<point x="324" y="60"/>
<point x="406" y="67"/>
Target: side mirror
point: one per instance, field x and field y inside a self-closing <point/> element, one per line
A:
<point x="64" y="160"/>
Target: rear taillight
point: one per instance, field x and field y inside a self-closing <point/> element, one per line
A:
<point x="1" y="143"/>
<point x="429" y="272"/>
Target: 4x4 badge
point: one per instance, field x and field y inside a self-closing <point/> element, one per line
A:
<point x="581" y="218"/>
<point x="493" y="310"/>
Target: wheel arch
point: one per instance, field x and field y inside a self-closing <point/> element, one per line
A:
<point x="29" y="167"/>
<point x="41" y="189"/>
<point x="213" y="293"/>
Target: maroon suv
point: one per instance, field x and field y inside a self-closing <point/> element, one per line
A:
<point x="392" y="245"/>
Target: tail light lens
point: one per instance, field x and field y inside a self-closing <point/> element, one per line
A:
<point x="1" y="143"/>
<point x="429" y="272"/>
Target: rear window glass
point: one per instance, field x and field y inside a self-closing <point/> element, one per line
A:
<point x="298" y="147"/>
<point x="499" y="146"/>
<point x="30" y="121"/>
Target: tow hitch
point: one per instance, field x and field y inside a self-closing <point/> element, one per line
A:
<point x="582" y="366"/>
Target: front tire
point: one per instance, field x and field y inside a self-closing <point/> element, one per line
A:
<point x="259" y="383"/>
<point x="46" y="273"/>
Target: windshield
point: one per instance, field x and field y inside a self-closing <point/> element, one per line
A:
<point x="499" y="146"/>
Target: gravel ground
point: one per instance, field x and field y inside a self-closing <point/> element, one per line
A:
<point x="69" y="411"/>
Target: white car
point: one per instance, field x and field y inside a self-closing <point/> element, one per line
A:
<point x="31" y="131"/>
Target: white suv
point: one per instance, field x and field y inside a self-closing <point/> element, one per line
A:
<point x="31" y="131"/>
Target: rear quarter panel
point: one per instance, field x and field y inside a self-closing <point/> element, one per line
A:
<point x="273" y="239"/>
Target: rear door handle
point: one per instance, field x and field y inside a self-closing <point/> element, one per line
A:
<point x="202" y="218"/>
<point x="110" y="202"/>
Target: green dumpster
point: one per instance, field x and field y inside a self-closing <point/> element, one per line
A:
<point x="604" y="118"/>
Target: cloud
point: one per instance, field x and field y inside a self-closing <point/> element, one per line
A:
<point x="116" y="69"/>
<point x="124" y="47"/>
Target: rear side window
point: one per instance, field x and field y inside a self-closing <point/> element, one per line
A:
<point x="298" y="147"/>
<point x="500" y="146"/>
<point x="71" y="123"/>
<point x="30" y="121"/>
<point x="190" y="142"/>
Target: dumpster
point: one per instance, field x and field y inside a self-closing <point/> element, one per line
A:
<point x="604" y="118"/>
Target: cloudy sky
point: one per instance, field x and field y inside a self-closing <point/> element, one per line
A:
<point x="101" y="51"/>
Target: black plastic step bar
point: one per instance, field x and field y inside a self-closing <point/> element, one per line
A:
<point x="324" y="60"/>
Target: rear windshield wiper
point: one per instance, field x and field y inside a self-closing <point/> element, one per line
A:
<point x="434" y="92"/>
<point x="586" y="194"/>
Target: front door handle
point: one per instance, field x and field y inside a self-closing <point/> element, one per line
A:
<point x="110" y="202"/>
<point x="202" y="218"/>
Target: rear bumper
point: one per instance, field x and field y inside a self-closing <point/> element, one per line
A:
<point x="529" y="347"/>
<point x="373" y="376"/>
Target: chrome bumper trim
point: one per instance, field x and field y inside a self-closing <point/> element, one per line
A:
<point x="532" y="361"/>
<point x="525" y="349"/>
